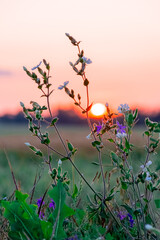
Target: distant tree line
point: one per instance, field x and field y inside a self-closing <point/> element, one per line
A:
<point x="70" y="117"/>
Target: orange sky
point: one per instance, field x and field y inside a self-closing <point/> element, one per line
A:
<point x="121" y="37"/>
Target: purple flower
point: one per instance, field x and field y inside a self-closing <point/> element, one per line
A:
<point x="121" y="128"/>
<point x="52" y="204"/>
<point x="41" y="215"/>
<point x="121" y="215"/>
<point x="98" y="128"/>
<point x="131" y="220"/>
<point x="75" y="237"/>
<point x="39" y="202"/>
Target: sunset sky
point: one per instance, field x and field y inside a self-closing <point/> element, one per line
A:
<point x="121" y="37"/>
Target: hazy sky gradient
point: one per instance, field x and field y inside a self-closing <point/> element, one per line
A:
<point x="122" y="37"/>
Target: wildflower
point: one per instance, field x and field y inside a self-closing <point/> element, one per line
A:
<point x="148" y="163"/>
<point x="121" y="128"/>
<point x="63" y="86"/>
<point x="121" y="135"/>
<point x="36" y="66"/>
<point x="98" y="128"/>
<point x="131" y="220"/>
<point x="120" y="131"/>
<point x="52" y="204"/>
<point x="86" y="60"/>
<point x="148" y="227"/>
<point x="148" y="177"/>
<point x="27" y="144"/>
<point x="59" y="162"/>
<point x="39" y="202"/>
<point x="89" y="136"/>
<point x="144" y="169"/>
<point x="123" y="108"/>
<point x="75" y="237"/>
<point x="121" y="215"/>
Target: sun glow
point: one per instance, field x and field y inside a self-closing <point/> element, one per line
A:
<point x="98" y="109"/>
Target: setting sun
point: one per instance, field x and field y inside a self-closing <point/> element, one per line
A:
<point x="98" y="109"/>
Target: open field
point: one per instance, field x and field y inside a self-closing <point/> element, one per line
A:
<point x="26" y="164"/>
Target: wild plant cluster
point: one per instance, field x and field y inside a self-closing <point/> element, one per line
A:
<point x="126" y="209"/>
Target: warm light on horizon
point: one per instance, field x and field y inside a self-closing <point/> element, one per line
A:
<point x="98" y="109"/>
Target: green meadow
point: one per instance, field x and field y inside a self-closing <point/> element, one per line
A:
<point x="26" y="165"/>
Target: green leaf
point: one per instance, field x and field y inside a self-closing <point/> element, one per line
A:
<point x="157" y="203"/>
<point x="35" y="150"/>
<point x="130" y="119"/>
<point x="127" y="145"/>
<point x="114" y="157"/>
<point x="64" y="158"/>
<point x="75" y="192"/>
<point x="124" y="185"/>
<point x="135" y="114"/>
<point x="54" y="121"/>
<point x="147" y="133"/>
<point x="96" y="143"/>
<point x="110" y="140"/>
<point x="70" y="146"/>
<point x="22" y="104"/>
<point x="62" y="211"/>
<point x="22" y="218"/>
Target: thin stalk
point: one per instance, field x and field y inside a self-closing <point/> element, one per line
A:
<point x="145" y="233"/>
<point x="102" y="172"/>
<point x="10" y="166"/>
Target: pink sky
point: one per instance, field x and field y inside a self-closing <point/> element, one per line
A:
<point x="122" y="38"/>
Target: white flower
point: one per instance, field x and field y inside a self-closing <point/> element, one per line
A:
<point x="148" y="163"/>
<point x="123" y="108"/>
<point x="143" y="168"/>
<point x="87" y="60"/>
<point x="63" y="86"/>
<point x="148" y="178"/>
<point x="148" y="227"/>
<point x="89" y="136"/>
<point x="59" y="162"/>
<point x="121" y="135"/>
<point x="27" y="144"/>
<point x="36" y="66"/>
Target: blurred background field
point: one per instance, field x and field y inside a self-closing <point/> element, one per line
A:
<point x="26" y="164"/>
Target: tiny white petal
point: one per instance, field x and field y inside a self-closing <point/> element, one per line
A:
<point x="148" y="227"/>
<point x="89" y="136"/>
<point x="142" y="166"/>
<point x="27" y="144"/>
<point x="148" y="163"/>
<point x="148" y="178"/>
<point x="59" y="162"/>
<point x="121" y="135"/>
<point x="123" y="108"/>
